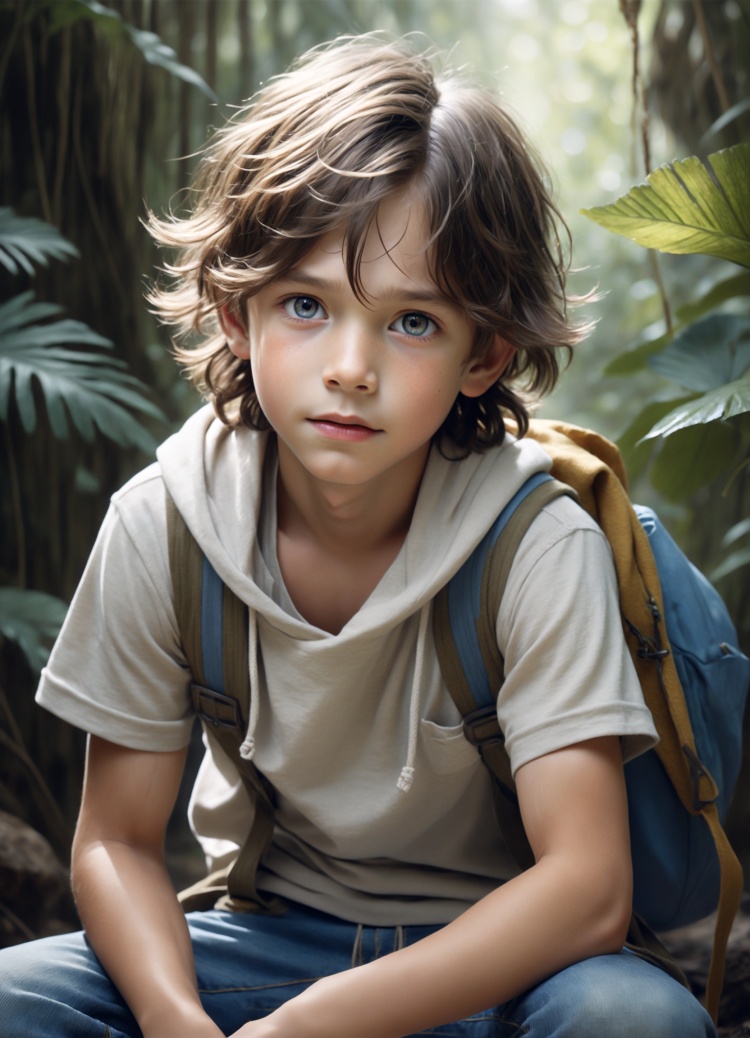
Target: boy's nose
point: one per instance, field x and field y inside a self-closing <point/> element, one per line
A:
<point x="350" y="366"/>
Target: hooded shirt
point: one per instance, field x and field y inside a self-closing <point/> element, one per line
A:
<point x="384" y="811"/>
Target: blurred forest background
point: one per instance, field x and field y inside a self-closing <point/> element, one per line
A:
<point x="102" y="109"/>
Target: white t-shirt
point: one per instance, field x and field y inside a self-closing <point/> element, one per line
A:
<point x="340" y="715"/>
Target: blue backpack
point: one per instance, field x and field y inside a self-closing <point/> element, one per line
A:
<point x="694" y="678"/>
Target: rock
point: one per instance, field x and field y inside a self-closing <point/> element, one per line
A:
<point x="34" y="886"/>
<point x="691" y="947"/>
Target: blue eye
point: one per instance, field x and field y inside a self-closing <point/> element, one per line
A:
<point x="416" y="325"/>
<point x="304" y="308"/>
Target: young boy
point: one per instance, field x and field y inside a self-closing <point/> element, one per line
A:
<point x="374" y="278"/>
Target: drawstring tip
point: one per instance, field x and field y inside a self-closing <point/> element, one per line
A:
<point x="247" y="749"/>
<point x="405" y="779"/>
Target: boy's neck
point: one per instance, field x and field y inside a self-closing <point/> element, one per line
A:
<point x="341" y="519"/>
<point x="335" y="542"/>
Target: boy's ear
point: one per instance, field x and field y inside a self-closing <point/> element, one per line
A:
<point x="237" y="338"/>
<point x="484" y="371"/>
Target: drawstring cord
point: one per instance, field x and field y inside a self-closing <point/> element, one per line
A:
<point x="247" y="749"/>
<point x="407" y="772"/>
<point x="406" y="778"/>
<point x="358" y="950"/>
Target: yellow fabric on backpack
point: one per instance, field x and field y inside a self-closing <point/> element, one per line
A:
<point x="592" y="466"/>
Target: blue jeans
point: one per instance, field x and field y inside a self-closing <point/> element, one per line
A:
<point x="248" y="965"/>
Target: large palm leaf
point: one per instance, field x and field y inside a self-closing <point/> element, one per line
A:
<point x="32" y="619"/>
<point x="24" y="241"/>
<point x="89" y="389"/>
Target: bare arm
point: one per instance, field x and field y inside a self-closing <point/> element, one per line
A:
<point x="123" y="891"/>
<point x="573" y="903"/>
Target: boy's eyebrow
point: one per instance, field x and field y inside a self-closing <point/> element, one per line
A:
<point x="422" y="293"/>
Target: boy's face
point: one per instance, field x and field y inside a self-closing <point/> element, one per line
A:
<point x="355" y="390"/>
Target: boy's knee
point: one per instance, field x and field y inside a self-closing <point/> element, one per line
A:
<point x="19" y="970"/>
<point x="56" y="986"/>
<point x="660" y="1011"/>
<point x="21" y="990"/>
<point x="619" y="996"/>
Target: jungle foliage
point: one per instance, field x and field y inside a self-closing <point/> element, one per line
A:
<point x="95" y="104"/>
<point x="684" y="208"/>
<point x="692" y="432"/>
<point x="96" y="101"/>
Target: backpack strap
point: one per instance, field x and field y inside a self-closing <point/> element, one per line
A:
<point x="466" y="645"/>
<point x="473" y="670"/>
<point x="591" y="470"/>
<point x="213" y="625"/>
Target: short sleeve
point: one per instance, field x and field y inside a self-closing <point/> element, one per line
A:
<point x="117" y="669"/>
<point x="569" y="674"/>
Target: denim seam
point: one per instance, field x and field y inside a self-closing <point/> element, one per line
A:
<point x="258" y="987"/>
<point x="521" y="1028"/>
<point x="479" y="1018"/>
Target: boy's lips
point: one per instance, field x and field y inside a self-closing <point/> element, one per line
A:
<point x="343" y="427"/>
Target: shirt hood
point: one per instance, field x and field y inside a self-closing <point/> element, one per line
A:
<point x="214" y="475"/>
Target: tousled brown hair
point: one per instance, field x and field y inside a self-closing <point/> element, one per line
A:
<point x="319" y="148"/>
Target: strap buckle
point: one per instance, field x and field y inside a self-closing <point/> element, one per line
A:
<point x="481" y="726"/>
<point x="698" y="773"/>
<point x="215" y="708"/>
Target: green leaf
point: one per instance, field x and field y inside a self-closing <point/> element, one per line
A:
<point x="736" y="532"/>
<point x="67" y="12"/>
<point x="688" y="207"/>
<point x="726" y="118"/>
<point x="724" y="402"/>
<point x="19" y="310"/>
<point x="730" y="288"/>
<point x="635" y="357"/>
<point x="152" y="47"/>
<point x="693" y="458"/>
<point x="635" y="451"/>
<point x="88" y="389"/>
<point x="85" y="482"/>
<point x="25" y="241"/>
<point x="707" y="354"/>
<point x="158" y="53"/>
<point x="732" y="563"/>
<point x="32" y="619"/>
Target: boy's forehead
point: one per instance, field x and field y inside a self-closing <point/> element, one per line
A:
<point x="395" y="252"/>
<point x="400" y="229"/>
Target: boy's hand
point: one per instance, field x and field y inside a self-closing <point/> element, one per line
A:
<point x="288" y="1021"/>
<point x="268" y="1027"/>
<point x="201" y="1028"/>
